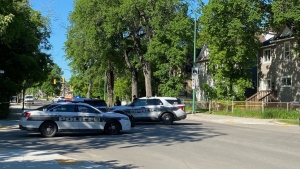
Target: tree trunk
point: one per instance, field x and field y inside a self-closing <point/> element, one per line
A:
<point x="23" y="99"/>
<point x="134" y="86"/>
<point x="110" y="87"/>
<point x="88" y="94"/>
<point x="147" y="75"/>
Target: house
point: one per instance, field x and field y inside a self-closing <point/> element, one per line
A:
<point x="278" y="68"/>
<point x="203" y="77"/>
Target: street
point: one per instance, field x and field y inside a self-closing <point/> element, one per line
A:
<point x="186" y="144"/>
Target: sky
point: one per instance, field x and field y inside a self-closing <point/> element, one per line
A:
<point x="58" y="11"/>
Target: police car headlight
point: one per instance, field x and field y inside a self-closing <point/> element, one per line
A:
<point x="124" y="118"/>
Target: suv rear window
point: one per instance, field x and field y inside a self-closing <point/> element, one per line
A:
<point x="177" y="101"/>
<point x="96" y="103"/>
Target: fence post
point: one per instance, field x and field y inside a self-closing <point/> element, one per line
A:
<point x="262" y="108"/>
<point x="232" y="105"/>
<point x="287" y="106"/>
<point x="209" y="102"/>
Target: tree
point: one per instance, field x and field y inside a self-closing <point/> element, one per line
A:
<point x="23" y="36"/>
<point x="48" y="86"/>
<point x="230" y="29"/>
<point x="287" y="13"/>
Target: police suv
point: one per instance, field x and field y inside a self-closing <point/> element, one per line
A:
<point x="59" y="117"/>
<point x="165" y="109"/>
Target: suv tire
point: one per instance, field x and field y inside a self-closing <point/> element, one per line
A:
<point x="167" y="118"/>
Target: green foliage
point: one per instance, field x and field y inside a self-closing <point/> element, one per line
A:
<point x="135" y="35"/>
<point x="211" y="92"/>
<point x="287" y="13"/>
<point x="122" y="88"/>
<point x="48" y="86"/>
<point x="23" y="35"/>
<point x="230" y="28"/>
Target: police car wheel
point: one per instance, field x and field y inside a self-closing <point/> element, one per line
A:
<point x="112" y="128"/>
<point x="48" y="129"/>
<point x="167" y="118"/>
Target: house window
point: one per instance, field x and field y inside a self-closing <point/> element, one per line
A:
<point x="286" y="81"/>
<point x="267" y="56"/>
<point x="287" y="52"/>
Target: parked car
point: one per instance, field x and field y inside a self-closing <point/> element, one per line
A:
<point x="165" y="109"/>
<point x="57" y="98"/>
<point x="29" y="99"/>
<point x="60" y="117"/>
<point x="102" y="106"/>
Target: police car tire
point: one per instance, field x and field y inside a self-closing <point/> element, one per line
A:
<point x="48" y="125"/>
<point x="112" y="127"/>
<point x="167" y="118"/>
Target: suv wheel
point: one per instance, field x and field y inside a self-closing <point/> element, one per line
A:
<point x="48" y="129"/>
<point x="167" y="118"/>
<point x="112" y="128"/>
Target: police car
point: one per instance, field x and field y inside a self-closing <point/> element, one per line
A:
<point x="59" y="117"/>
<point x="165" y="109"/>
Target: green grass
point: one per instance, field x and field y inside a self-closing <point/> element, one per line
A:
<point x="282" y="115"/>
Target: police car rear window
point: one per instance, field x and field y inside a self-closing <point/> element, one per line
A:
<point x="178" y="101"/>
<point x="97" y="103"/>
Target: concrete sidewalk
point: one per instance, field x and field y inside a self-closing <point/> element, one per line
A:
<point x="233" y="120"/>
<point x="24" y="159"/>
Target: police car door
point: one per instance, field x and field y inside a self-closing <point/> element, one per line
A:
<point x="91" y="119"/>
<point x="65" y="116"/>
<point x="154" y="109"/>
<point x="138" y="110"/>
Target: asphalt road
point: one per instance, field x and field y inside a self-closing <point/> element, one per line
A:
<point x="186" y="144"/>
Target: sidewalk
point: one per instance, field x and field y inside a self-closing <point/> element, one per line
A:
<point x="24" y="159"/>
<point x="233" y="120"/>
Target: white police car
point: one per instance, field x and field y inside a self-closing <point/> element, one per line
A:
<point x="59" y="117"/>
<point x="165" y="109"/>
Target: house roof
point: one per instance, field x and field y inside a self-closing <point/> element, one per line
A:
<point x="284" y="33"/>
<point x="201" y="56"/>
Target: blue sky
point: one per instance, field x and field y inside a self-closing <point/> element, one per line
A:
<point x="58" y="11"/>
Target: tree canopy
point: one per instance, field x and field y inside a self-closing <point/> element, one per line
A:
<point x="24" y="36"/>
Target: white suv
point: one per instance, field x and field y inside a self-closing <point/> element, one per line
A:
<point x="57" y="98"/>
<point x="29" y="99"/>
<point x="165" y="109"/>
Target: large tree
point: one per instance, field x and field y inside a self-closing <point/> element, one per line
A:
<point x="111" y="35"/>
<point x="23" y="35"/>
<point x="287" y="13"/>
<point x="230" y="29"/>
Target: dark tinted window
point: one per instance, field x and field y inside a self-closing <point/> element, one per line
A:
<point x="64" y="108"/>
<point x="86" y="109"/>
<point x="154" y="102"/>
<point x="96" y="103"/>
<point x="140" y="102"/>
<point x="173" y="101"/>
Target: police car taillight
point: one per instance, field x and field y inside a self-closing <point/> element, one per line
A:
<point x="181" y="107"/>
<point x="26" y="114"/>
